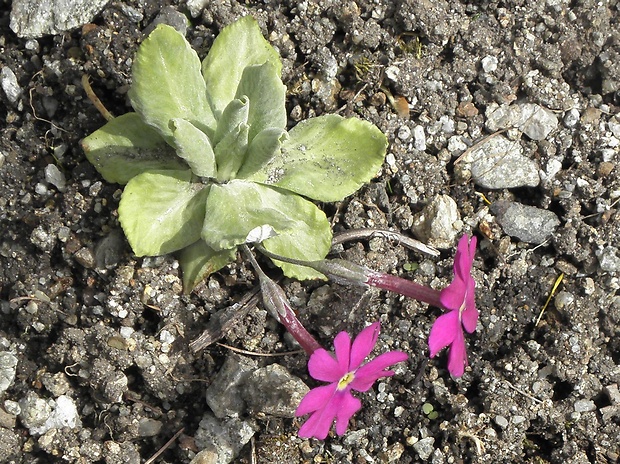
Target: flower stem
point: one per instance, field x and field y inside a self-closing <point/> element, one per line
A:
<point x="346" y="272"/>
<point x="404" y="287"/>
<point x="277" y="304"/>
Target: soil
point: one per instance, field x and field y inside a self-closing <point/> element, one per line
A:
<point x="87" y="320"/>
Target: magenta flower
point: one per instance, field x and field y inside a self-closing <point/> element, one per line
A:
<point x="459" y="299"/>
<point x="345" y="373"/>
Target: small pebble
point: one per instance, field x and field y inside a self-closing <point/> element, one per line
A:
<point x="571" y="118"/>
<point x="501" y="421"/>
<point x="419" y="138"/>
<point x="489" y="64"/>
<point x="9" y="84"/>
<point x="584" y="406"/>
<point x="424" y="447"/>
<point x="404" y="133"/>
<point x="54" y="176"/>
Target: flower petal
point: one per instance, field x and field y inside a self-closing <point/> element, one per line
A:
<point x="316" y="426"/>
<point x="453" y="295"/>
<point x="444" y="331"/>
<point x="470" y="297"/>
<point x="472" y="248"/>
<point x="346" y="405"/>
<point x="342" y="346"/>
<point x="469" y="317"/>
<point x="464" y="258"/>
<point x="368" y="374"/>
<point x="457" y="357"/>
<point x="363" y="345"/>
<point x="322" y="366"/>
<point x="316" y="399"/>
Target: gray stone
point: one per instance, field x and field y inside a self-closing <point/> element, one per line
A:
<point x="424" y="447"/>
<point x="608" y="259"/>
<point x="438" y="223"/>
<point x="584" y="406"/>
<point x="224" y="437"/>
<point x="501" y="421"/>
<point x="500" y="163"/>
<point x="148" y="427"/>
<point x="9" y="84"/>
<point x="132" y="13"/>
<point x="34" y="410"/>
<point x="36" y="18"/>
<point x="272" y="390"/>
<point x="8" y="366"/>
<point x="57" y="384"/>
<point x="527" y="223"/>
<point x="223" y="395"/>
<point x="196" y="6"/>
<point x="170" y="16"/>
<point x="54" y="176"/>
<point x="109" y="250"/>
<point x="533" y="120"/>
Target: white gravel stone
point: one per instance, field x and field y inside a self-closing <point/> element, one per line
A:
<point x="54" y="176"/>
<point x="425" y="447"/>
<point x="489" y="64"/>
<point x="8" y="366"/>
<point x="404" y="133"/>
<point x="438" y="223"/>
<point x="9" y="84"/>
<point x="419" y="138"/>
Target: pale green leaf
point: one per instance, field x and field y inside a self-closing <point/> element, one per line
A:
<point x="230" y="152"/>
<point x="239" y="45"/>
<point x="126" y="147"/>
<point x="262" y="85"/>
<point x="167" y="83"/>
<point x="194" y="147"/>
<point x="326" y="158"/>
<point x="261" y="150"/>
<point x="162" y="211"/>
<point x="199" y="260"/>
<point x="235" y="113"/>
<point x="311" y="241"/>
<point x="236" y="208"/>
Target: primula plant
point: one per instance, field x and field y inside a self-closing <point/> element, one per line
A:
<point x="207" y="161"/>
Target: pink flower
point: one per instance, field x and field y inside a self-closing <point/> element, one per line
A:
<point x="459" y="299"/>
<point x="345" y="373"/>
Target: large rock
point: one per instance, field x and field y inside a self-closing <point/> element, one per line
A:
<point x="36" y="18"/>
<point x="533" y="120"/>
<point x="499" y="163"/>
<point x="527" y="223"/>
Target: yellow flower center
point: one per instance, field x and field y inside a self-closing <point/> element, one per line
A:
<point x="346" y="380"/>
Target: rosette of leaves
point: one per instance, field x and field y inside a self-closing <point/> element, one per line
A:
<point x="206" y="159"/>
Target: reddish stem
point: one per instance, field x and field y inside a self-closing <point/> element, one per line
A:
<point x="404" y="287"/>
